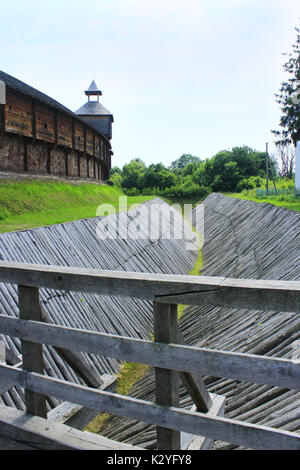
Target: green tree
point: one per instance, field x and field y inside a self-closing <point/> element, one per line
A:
<point x="228" y="179"/>
<point x="288" y="99"/>
<point x="133" y="173"/>
<point x="182" y="161"/>
<point x="205" y="173"/>
<point x="115" y="171"/>
<point x="151" y="176"/>
<point x="191" y="167"/>
<point x="166" y="179"/>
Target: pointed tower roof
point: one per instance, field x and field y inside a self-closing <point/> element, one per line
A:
<point x="94" y="108"/>
<point x="93" y="89"/>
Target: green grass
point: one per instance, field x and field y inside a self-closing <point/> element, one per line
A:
<point x="28" y="204"/>
<point x="285" y="198"/>
<point x="194" y="272"/>
<point x="288" y="201"/>
<point x="130" y="373"/>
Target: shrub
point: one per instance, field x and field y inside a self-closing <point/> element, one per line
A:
<point x="186" y="191"/>
<point x="249" y="183"/>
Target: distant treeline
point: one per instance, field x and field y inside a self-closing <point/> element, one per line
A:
<point x="190" y="177"/>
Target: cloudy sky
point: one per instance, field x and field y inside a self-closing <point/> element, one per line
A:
<point x="193" y="76"/>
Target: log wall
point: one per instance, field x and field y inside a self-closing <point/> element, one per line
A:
<point x="37" y="138"/>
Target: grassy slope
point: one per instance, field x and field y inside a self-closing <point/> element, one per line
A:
<point x="27" y="204"/>
<point x="291" y="203"/>
<point x="286" y="198"/>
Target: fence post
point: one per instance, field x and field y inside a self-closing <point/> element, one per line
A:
<point x="29" y="307"/>
<point x="166" y="381"/>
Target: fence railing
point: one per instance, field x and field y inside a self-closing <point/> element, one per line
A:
<point x="170" y="358"/>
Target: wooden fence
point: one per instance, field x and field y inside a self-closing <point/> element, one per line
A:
<point x="170" y="358"/>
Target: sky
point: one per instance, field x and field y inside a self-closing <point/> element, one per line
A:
<point x="193" y="76"/>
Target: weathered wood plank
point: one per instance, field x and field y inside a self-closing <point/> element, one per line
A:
<point x="5" y="386"/>
<point x="76" y="360"/>
<point x="167" y="381"/>
<point x="192" y="442"/>
<point x="32" y="353"/>
<point x="218" y="428"/>
<point x="41" y="434"/>
<point x="2" y="351"/>
<point x="250" y="367"/>
<point x="195" y="386"/>
<point x="77" y="416"/>
<point x="172" y="289"/>
<point x="243" y="293"/>
<point x="2" y="118"/>
<point x="197" y="390"/>
<point x="9" y="444"/>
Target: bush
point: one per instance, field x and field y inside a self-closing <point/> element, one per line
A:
<point x="186" y="191"/>
<point x="249" y="183"/>
<point x="131" y="191"/>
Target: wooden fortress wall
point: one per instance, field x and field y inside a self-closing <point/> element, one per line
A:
<point x="37" y="138"/>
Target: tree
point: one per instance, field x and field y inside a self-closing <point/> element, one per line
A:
<point x="288" y="99"/>
<point x="184" y="160"/>
<point x="115" y="171"/>
<point x="166" y="179"/>
<point x="286" y="157"/>
<point x="151" y="176"/>
<point x="228" y="179"/>
<point x="132" y="174"/>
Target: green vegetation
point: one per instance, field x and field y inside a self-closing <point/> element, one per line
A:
<point x="130" y="373"/>
<point x="285" y="197"/>
<point x="240" y="172"/>
<point x="33" y="203"/>
<point x="191" y="179"/>
<point x="288" y="98"/>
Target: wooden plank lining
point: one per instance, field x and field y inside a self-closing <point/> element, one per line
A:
<point x="253" y="368"/>
<point x="238" y="432"/>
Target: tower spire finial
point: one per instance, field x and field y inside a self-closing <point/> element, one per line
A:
<point x="93" y="90"/>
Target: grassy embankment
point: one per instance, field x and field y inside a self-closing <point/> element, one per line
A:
<point x="27" y="204"/>
<point x="286" y="197"/>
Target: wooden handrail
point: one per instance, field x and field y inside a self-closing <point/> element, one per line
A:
<point x="224" y="429"/>
<point x="164" y="288"/>
<point x="239" y="366"/>
<point x="165" y="354"/>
